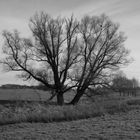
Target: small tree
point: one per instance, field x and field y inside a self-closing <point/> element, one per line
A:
<point x="135" y="83"/>
<point x="124" y="85"/>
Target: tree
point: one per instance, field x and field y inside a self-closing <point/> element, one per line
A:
<point x="135" y="83"/>
<point x="67" y="53"/>
<point x="102" y="52"/>
<point x="120" y="82"/>
<point x="124" y="85"/>
<point x="49" y="57"/>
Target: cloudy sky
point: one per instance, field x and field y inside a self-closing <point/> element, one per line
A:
<point x="15" y="14"/>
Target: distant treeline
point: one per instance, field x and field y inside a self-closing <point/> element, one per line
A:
<point x="16" y="86"/>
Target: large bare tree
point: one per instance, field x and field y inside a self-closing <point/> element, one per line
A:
<point x="48" y="57"/>
<point x="66" y="53"/>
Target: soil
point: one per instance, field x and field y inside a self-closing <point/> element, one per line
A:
<point x="122" y="126"/>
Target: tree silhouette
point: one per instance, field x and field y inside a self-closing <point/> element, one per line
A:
<point x="65" y="53"/>
<point x="102" y="52"/>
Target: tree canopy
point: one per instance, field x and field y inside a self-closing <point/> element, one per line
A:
<point x="66" y="53"/>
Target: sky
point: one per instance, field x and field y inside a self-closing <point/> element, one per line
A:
<point x="15" y="14"/>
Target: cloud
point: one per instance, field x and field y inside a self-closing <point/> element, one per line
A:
<point x="20" y="8"/>
<point x="16" y="14"/>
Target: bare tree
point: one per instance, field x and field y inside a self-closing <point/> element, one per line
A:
<point x="135" y="83"/>
<point x="67" y="54"/>
<point x="124" y="85"/>
<point x="120" y="83"/>
<point x="102" y="51"/>
<point x="48" y="57"/>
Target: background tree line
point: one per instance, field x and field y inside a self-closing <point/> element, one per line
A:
<point x="124" y="85"/>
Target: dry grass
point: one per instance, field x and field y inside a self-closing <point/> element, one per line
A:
<point x="23" y="94"/>
<point x="40" y="112"/>
<point x="36" y="112"/>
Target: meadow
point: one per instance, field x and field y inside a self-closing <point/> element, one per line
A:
<point x="14" y="113"/>
<point x="23" y="94"/>
<point x="28" y="95"/>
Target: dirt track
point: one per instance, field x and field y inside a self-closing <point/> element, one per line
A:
<point x="108" y="127"/>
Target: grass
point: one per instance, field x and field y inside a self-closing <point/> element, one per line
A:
<point x="133" y="102"/>
<point x="36" y="112"/>
<point x="41" y="113"/>
<point x="24" y="94"/>
<point x="17" y="112"/>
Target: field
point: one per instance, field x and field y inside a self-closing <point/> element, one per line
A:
<point x="109" y="127"/>
<point x="108" y="118"/>
<point x="23" y="94"/>
<point x="27" y="95"/>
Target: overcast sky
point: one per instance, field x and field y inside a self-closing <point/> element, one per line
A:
<point x="15" y="14"/>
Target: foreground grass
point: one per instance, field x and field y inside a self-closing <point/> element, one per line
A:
<point x="37" y="112"/>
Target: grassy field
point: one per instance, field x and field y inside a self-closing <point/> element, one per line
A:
<point x="17" y="112"/>
<point x="29" y="95"/>
<point x="32" y="115"/>
<point x="23" y="94"/>
<point x="122" y="126"/>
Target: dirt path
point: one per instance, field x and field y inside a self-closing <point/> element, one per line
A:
<point x="109" y="127"/>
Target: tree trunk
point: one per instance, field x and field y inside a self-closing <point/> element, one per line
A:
<point x="77" y="97"/>
<point x="60" y="99"/>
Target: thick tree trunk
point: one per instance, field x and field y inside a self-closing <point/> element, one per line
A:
<point x="77" y="97"/>
<point x="60" y="99"/>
